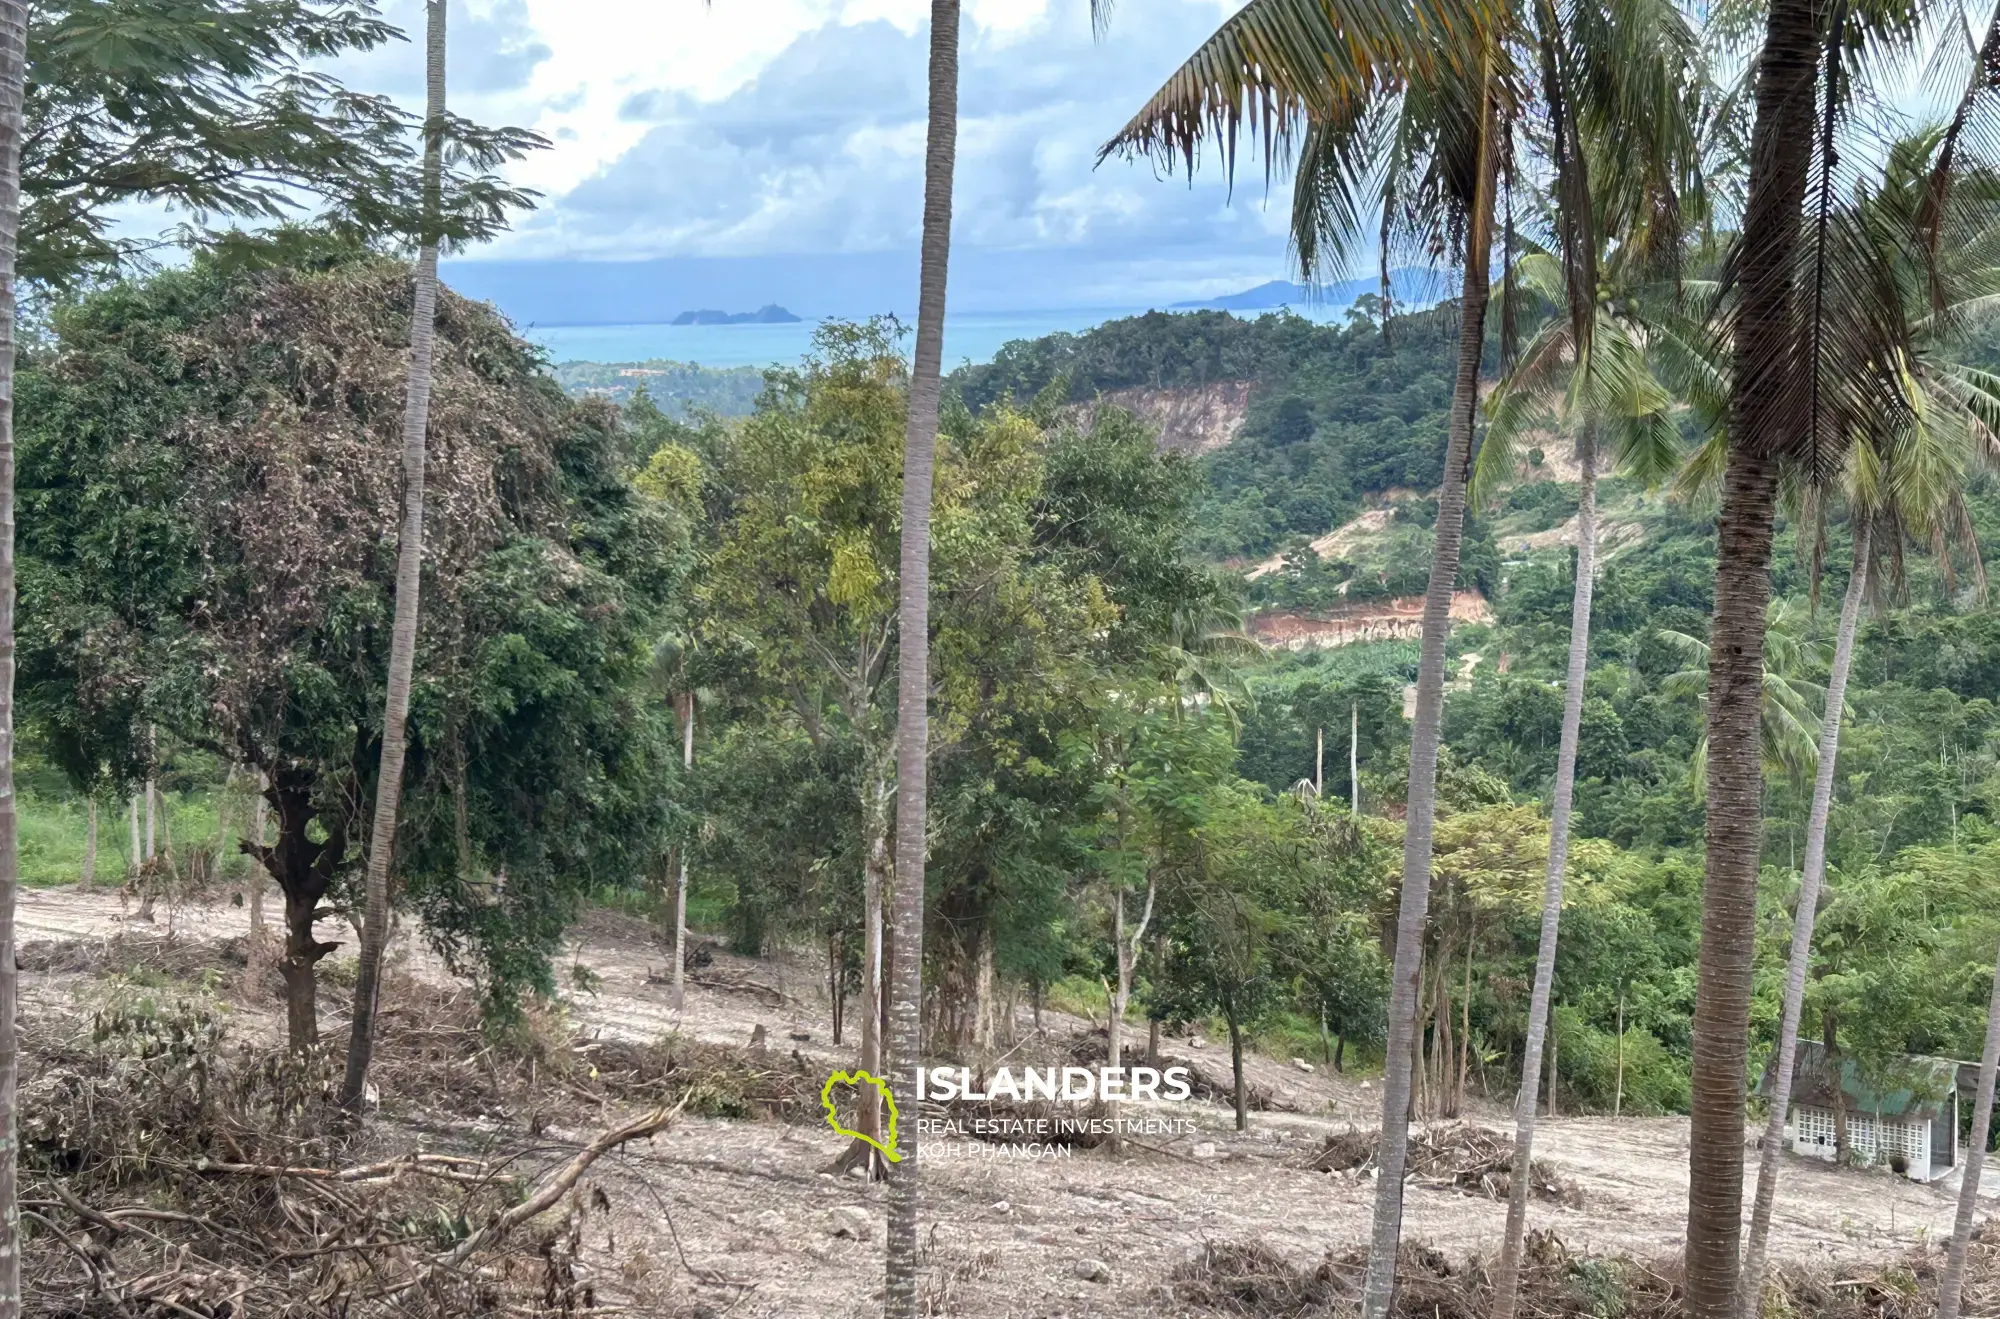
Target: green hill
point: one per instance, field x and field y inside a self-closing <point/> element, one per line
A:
<point x="1335" y="414"/>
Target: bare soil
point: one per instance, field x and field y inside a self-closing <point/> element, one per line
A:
<point x="736" y="1217"/>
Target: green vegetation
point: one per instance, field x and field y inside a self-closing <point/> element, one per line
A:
<point x="679" y="389"/>
<point x="1336" y="414"/>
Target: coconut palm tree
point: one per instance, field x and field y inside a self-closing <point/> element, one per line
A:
<point x="1906" y="478"/>
<point x="13" y="73"/>
<point x="1400" y="118"/>
<point x="1788" y="728"/>
<point x="1589" y="368"/>
<point x="1436" y="114"/>
<point x="899" y="1297"/>
<point x="409" y="569"/>
<point x="1802" y="383"/>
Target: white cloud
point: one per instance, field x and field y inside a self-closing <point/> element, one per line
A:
<point x="685" y="129"/>
<point x="720" y="130"/>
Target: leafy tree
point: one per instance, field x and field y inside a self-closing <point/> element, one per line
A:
<point x="1230" y="854"/>
<point x="192" y="560"/>
<point x="212" y="108"/>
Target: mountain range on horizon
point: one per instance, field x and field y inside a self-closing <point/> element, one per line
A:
<point x="1407" y="284"/>
<point x="577" y="292"/>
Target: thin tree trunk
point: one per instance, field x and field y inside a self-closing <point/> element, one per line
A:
<point x="1319" y="764"/>
<point x="1339" y="1053"/>
<point x="1507" y="1276"/>
<point x="899" y="1296"/>
<point x="1114" y="1034"/>
<point x="1464" y="1026"/>
<point x="1353" y="758"/>
<point x="681" y="878"/>
<point x="874" y="881"/>
<point x="1763" y="417"/>
<point x="1835" y="1067"/>
<point x="1750" y="1286"/>
<point x="1951" y="1284"/>
<point x="136" y="856"/>
<point x="13" y="60"/>
<point x="1387" y="1233"/>
<point x="152" y="819"/>
<point x="1555" y="1040"/>
<point x="1236" y="1065"/>
<point x="409" y="573"/>
<point x="1126" y="950"/>
<point x="1618" y="1090"/>
<point x="835" y="991"/>
<point x="89" y="875"/>
<point x="257" y="816"/>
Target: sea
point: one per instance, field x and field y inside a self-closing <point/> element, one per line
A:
<point x="972" y="336"/>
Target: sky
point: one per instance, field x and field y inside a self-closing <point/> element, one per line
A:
<point x="741" y="153"/>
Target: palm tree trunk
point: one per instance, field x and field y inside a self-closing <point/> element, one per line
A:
<point x="1422" y="795"/>
<point x="13" y="65"/>
<point x="681" y="878"/>
<point x="1750" y="1286"/>
<point x="1951" y="1285"/>
<point x="913" y="639"/>
<point x="1763" y="418"/>
<point x="409" y="573"/>
<point x="1729" y="895"/>
<point x="1507" y="1276"/>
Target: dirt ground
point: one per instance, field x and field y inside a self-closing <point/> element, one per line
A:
<point x="720" y="1217"/>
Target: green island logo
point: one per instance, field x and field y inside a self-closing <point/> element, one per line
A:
<point x="888" y="1144"/>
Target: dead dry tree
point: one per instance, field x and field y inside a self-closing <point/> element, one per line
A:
<point x="169" y="1170"/>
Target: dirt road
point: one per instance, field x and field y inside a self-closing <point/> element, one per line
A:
<point x="1089" y="1235"/>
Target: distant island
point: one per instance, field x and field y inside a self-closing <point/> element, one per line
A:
<point x="1411" y="287"/>
<point x="768" y="314"/>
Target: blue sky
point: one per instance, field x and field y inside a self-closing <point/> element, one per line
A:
<point x="773" y="151"/>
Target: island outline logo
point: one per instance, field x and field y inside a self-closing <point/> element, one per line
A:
<point x="857" y="1078"/>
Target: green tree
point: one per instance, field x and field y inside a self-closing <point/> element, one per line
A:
<point x="1231" y="852"/>
<point x="212" y="108"/>
<point x="241" y="601"/>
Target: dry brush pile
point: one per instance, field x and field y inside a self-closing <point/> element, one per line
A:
<point x="172" y="1167"/>
<point x="1250" y="1279"/>
<point x="1452" y="1155"/>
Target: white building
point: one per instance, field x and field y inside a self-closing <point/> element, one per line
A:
<point x="1902" y="1115"/>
